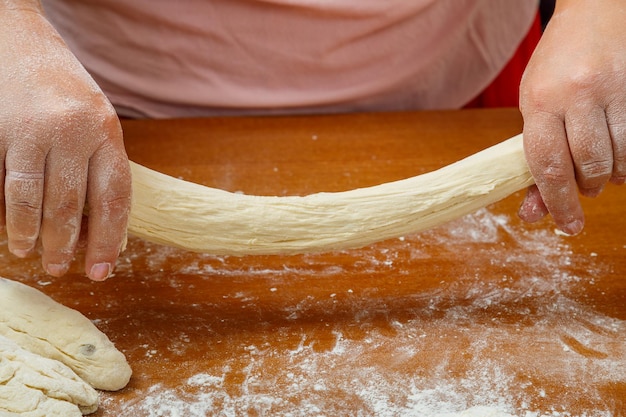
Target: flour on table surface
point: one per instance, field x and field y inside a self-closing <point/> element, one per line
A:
<point x="474" y="366"/>
<point x="482" y="341"/>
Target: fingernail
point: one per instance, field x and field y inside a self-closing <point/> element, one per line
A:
<point x="100" y="272"/>
<point x="573" y="228"/>
<point x="56" y="270"/>
<point x="20" y="253"/>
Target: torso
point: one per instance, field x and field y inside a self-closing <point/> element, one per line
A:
<point x="159" y="58"/>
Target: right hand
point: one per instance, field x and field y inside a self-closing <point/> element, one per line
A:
<point x="61" y="147"/>
<point x="573" y="100"/>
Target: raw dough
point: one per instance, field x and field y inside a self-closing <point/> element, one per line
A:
<point x="179" y="213"/>
<point x="42" y="326"/>
<point x="34" y="386"/>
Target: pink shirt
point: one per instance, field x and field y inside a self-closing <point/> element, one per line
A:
<point x="164" y="58"/>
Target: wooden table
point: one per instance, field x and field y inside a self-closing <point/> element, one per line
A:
<point x="484" y="311"/>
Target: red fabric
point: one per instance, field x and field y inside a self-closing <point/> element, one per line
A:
<point x="504" y="90"/>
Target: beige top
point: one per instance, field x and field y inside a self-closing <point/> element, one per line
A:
<point x="161" y="58"/>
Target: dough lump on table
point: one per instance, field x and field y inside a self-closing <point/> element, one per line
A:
<point x="42" y="326"/>
<point x="34" y="386"/>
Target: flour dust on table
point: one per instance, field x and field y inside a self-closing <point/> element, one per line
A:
<point x="490" y="339"/>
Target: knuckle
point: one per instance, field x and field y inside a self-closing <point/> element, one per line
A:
<point x="554" y="173"/>
<point x="22" y="207"/>
<point x="23" y="191"/>
<point x="595" y="170"/>
<point x="67" y="208"/>
<point x="550" y="94"/>
<point x="63" y="212"/>
<point x="535" y="97"/>
<point x="90" y="117"/>
<point x="110" y="210"/>
<point x="581" y="77"/>
<point x="59" y="114"/>
<point x="116" y="207"/>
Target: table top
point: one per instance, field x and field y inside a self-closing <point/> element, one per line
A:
<point x="485" y="311"/>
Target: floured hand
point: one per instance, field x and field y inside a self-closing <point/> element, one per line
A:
<point x="61" y="146"/>
<point x="573" y="100"/>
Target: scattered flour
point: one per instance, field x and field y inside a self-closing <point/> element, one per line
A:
<point x="474" y="346"/>
<point x="487" y="340"/>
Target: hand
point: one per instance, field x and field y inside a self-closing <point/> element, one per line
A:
<point x="60" y="147"/>
<point x="573" y="100"/>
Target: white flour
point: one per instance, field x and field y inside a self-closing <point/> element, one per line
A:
<point x="475" y="366"/>
<point x="477" y="343"/>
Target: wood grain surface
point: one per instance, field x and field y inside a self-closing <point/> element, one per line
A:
<point x="485" y="311"/>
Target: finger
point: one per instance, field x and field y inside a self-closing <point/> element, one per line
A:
<point x="590" y="147"/>
<point x="24" y="184"/>
<point x="550" y="163"/>
<point x="2" y="200"/>
<point x="616" y="122"/>
<point x="64" y="198"/>
<point x="532" y="208"/>
<point x="108" y="196"/>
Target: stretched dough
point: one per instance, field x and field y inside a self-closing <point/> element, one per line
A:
<point x="175" y="212"/>
<point x="42" y="326"/>
<point x="34" y="386"/>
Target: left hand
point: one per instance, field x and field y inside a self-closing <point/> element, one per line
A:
<point x="573" y="101"/>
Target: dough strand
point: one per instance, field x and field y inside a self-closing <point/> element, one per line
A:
<point x="174" y="212"/>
